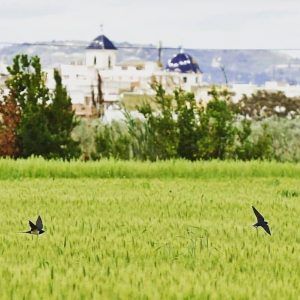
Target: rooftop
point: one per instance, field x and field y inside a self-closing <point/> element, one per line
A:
<point x="102" y="42"/>
<point x="183" y="63"/>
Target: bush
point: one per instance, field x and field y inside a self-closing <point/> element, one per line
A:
<point x="283" y="137"/>
<point x="217" y="130"/>
<point x="112" y="141"/>
<point x="181" y="128"/>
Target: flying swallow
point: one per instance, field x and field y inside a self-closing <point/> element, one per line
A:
<point x="36" y="228"/>
<point x="261" y="221"/>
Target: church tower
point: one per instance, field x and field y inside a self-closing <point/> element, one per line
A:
<point x="101" y="53"/>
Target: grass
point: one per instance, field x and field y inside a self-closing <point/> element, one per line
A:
<point x="131" y="101"/>
<point x="174" y="236"/>
<point x="40" y="168"/>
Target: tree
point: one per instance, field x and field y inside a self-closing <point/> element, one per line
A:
<point x="188" y="125"/>
<point x="245" y="147"/>
<point x="61" y="122"/>
<point x="27" y="83"/>
<point x="113" y="140"/>
<point x="10" y="119"/>
<point x="162" y="133"/>
<point x="263" y="145"/>
<point x="265" y="104"/>
<point x="98" y="101"/>
<point x="217" y="127"/>
<point x="46" y="120"/>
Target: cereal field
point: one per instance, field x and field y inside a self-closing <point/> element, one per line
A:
<point x="170" y="230"/>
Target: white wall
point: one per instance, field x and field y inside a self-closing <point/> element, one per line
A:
<point x="101" y="59"/>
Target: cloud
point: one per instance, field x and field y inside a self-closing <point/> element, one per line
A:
<point x="191" y="23"/>
<point x="16" y="9"/>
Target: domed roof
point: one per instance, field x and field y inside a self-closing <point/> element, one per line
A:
<point x="102" y="42"/>
<point x="183" y="63"/>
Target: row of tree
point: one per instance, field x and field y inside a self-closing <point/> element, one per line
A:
<point x="181" y="128"/>
<point x="36" y="121"/>
<point x="40" y="122"/>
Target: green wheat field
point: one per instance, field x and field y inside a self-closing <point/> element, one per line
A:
<point x="130" y="230"/>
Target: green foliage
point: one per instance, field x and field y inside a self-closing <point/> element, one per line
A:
<point x="161" y="126"/>
<point x="27" y="83"/>
<point x="244" y="146"/>
<point x="61" y="120"/>
<point x="181" y="128"/>
<point x="188" y="125"/>
<point x="263" y="104"/>
<point x="138" y="131"/>
<point x="46" y="119"/>
<point x="42" y="123"/>
<point x="283" y="137"/>
<point x="33" y="132"/>
<point x="263" y="146"/>
<point x="112" y="141"/>
<point x="217" y="127"/>
<point x="84" y="134"/>
<point x="254" y="145"/>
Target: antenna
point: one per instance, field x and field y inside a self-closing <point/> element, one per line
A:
<point x="159" y="52"/>
<point x="101" y="28"/>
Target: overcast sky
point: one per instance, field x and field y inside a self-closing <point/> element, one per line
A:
<point x="190" y="23"/>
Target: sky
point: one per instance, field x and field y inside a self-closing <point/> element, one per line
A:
<point x="207" y="24"/>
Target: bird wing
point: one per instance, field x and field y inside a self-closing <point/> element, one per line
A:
<point x="32" y="226"/>
<point x="259" y="217"/>
<point x="39" y="223"/>
<point x="266" y="228"/>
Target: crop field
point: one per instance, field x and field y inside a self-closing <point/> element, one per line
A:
<point x="170" y="230"/>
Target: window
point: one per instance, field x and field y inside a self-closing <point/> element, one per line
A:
<point x="184" y="79"/>
<point x="109" y="62"/>
<point x="95" y="60"/>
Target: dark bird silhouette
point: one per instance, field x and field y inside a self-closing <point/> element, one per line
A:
<point x="36" y="228"/>
<point x="261" y="221"/>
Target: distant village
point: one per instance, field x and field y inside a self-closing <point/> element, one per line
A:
<point x="134" y="78"/>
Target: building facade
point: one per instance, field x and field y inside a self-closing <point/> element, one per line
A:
<point x="135" y="77"/>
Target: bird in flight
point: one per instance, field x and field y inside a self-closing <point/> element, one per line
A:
<point x="261" y="221"/>
<point x="36" y="228"/>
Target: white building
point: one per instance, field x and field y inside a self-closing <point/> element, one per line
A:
<point x="270" y="86"/>
<point x="135" y="76"/>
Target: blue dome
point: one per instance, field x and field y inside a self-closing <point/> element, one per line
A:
<point x="183" y="63"/>
<point x="102" y="42"/>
